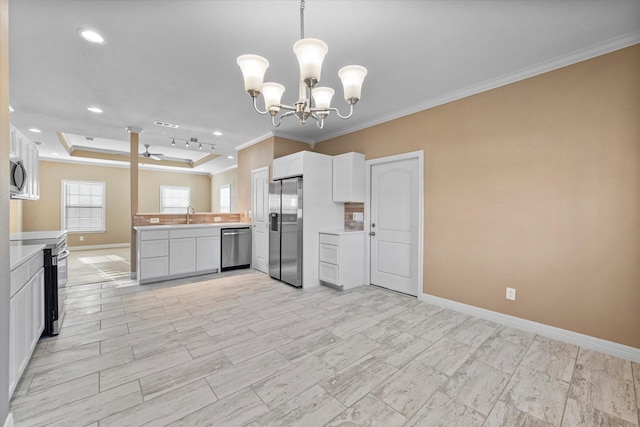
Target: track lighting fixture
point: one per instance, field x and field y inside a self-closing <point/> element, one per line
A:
<point x="193" y="141"/>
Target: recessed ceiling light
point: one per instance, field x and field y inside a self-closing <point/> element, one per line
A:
<point x="55" y="154"/>
<point x="11" y="109"/>
<point x="229" y="157"/>
<point x="217" y="133"/>
<point x="94" y="109"/>
<point x="35" y="130"/>
<point x="91" y="36"/>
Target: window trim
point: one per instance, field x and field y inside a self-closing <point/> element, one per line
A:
<point x="63" y="206"/>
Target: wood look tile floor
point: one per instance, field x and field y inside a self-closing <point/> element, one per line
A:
<point x="247" y="350"/>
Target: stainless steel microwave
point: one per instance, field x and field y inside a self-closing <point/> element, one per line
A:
<point x="17" y="176"/>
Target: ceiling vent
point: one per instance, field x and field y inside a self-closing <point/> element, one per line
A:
<point x="88" y="138"/>
<point x="167" y="125"/>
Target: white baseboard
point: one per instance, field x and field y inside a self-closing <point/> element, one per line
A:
<point x="608" y="347"/>
<point x="9" y="421"/>
<point x="92" y="247"/>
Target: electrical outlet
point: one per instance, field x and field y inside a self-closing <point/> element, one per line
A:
<point x="511" y="294"/>
<point x="81" y="238"/>
<point x="358" y="216"/>
<point x="154" y="220"/>
<point x="217" y="219"/>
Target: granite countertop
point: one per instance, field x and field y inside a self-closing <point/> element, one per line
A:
<point x="178" y="226"/>
<point x="19" y="253"/>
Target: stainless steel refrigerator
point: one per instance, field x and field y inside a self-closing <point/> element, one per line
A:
<point x="285" y="231"/>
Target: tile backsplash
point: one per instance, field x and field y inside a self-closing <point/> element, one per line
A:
<point x="196" y="218"/>
<point x="349" y="210"/>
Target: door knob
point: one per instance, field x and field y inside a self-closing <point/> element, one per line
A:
<point x="373" y="233"/>
<point x="373" y="224"/>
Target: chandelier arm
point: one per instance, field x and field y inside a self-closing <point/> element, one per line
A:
<point x="273" y="118"/>
<point x="255" y="106"/>
<point x="340" y="115"/>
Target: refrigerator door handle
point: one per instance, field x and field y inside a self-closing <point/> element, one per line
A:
<point x="274" y="222"/>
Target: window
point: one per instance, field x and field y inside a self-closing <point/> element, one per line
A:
<point x="174" y="199"/>
<point x="83" y="207"/>
<point x="225" y="199"/>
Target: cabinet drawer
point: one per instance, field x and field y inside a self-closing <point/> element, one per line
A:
<point x="154" y="248"/>
<point x="329" y="253"/>
<point x="154" y="234"/>
<point x="329" y="239"/>
<point x="328" y="273"/>
<point x="187" y="233"/>
<point x="154" y="267"/>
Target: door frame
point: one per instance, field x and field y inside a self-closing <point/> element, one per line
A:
<point x="367" y="212"/>
<point x="253" y="238"/>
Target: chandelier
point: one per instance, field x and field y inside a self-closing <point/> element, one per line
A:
<point x="314" y="102"/>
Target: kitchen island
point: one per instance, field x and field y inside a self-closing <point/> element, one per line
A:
<point x="179" y="250"/>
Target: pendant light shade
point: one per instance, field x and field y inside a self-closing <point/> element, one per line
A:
<point x="272" y="93"/>
<point x="352" y="77"/>
<point x="310" y="53"/>
<point x="253" y="68"/>
<point x="322" y="97"/>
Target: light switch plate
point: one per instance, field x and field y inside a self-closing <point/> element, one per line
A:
<point x="358" y="216"/>
<point x="154" y="220"/>
<point x="217" y="219"/>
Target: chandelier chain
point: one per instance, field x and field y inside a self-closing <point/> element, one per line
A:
<point x="301" y="19"/>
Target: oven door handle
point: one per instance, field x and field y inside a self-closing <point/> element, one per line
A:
<point x="63" y="255"/>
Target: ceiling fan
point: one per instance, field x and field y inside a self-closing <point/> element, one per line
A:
<point x="148" y="155"/>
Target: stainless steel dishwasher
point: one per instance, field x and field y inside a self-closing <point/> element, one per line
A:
<point x="236" y="248"/>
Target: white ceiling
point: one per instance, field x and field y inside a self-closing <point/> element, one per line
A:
<point x="175" y="61"/>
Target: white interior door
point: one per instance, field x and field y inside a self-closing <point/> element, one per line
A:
<point x="260" y="209"/>
<point x="394" y="225"/>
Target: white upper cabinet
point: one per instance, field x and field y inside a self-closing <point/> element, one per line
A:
<point x="348" y="177"/>
<point x="288" y="166"/>
<point x="26" y="150"/>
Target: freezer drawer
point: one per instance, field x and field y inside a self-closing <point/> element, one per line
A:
<point x="236" y="248"/>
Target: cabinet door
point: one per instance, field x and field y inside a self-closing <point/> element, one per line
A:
<point x="13" y="141"/>
<point x="295" y="164"/>
<point x="35" y="173"/>
<point x="19" y="336"/>
<point x="208" y="253"/>
<point x="182" y="255"/>
<point x="279" y="168"/>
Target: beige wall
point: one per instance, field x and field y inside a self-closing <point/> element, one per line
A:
<point x="536" y="186"/>
<point x="257" y="156"/>
<point x="149" y="183"/>
<point x="250" y="158"/>
<point x="229" y="178"/>
<point x="44" y="214"/>
<point x="15" y="216"/>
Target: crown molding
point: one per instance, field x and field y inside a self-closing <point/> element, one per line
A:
<point x="254" y="141"/>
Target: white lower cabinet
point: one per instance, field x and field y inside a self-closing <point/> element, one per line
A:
<point x="26" y="320"/>
<point x="208" y="253"/>
<point x="341" y="259"/>
<point x="182" y="255"/>
<point x="177" y="252"/>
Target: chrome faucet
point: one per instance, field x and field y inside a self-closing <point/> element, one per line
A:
<point x="190" y="210"/>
